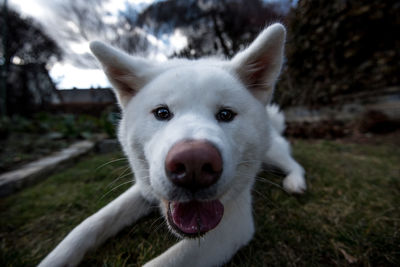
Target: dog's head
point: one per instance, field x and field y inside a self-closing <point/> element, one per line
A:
<point x="195" y="132"/>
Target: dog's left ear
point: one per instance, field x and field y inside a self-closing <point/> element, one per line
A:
<point x="127" y="74"/>
<point x="259" y="66"/>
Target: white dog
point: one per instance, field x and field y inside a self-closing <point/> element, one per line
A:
<point x="196" y="133"/>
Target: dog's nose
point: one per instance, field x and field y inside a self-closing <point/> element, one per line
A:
<point x="193" y="164"/>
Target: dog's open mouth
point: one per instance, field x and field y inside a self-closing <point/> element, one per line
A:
<point x="194" y="218"/>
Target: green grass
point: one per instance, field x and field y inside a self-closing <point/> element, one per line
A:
<point x="349" y="216"/>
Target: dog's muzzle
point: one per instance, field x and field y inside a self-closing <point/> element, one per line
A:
<point x="194" y="165"/>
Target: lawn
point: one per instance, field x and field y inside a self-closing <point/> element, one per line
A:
<point x="349" y="216"/>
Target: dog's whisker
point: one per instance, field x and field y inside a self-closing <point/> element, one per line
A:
<point x="161" y="223"/>
<point x="263" y="196"/>
<point x="120" y="177"/>
<point x="274" y="171"/>
<point x="261" y="179"/>
<point x="111" y="161"/>
<point x="170" y="238"/>
<point x="265" y="180"/>
<point x="113" y="189"/>
<point x="157" y="221"/>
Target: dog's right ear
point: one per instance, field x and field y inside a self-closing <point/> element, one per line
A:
<point x="259" y="65"/>
<point x="126" y="73"/>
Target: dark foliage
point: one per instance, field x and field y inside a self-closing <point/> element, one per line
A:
<point x="27" y="41"/>
<point x="28" y="87"/>
<point x="338" y="48"/>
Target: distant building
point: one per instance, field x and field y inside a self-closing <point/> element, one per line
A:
<point x="91" y="100"/>
<point x="30" y="89"/>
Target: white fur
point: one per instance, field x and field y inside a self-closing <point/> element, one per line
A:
<point x="194" y="91"/>
<point x="277" y="118"/>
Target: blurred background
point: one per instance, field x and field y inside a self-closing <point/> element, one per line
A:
<point x="339" y="88"/>
<point x="340" y="79"/>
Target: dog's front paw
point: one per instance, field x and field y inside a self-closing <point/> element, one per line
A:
<point x="295" y="183"/>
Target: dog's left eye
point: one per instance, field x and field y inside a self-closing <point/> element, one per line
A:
<point x="225" y="115"/>
<point x="162" y="113"/>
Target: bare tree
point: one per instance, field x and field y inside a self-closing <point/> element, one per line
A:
<point x="27" y="42"/>
<point x="211" y="27"/>
<point x="78" y="22"/>
<point x="26" y="85"/>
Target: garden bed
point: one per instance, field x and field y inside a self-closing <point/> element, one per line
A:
<point x="23" y="140"/>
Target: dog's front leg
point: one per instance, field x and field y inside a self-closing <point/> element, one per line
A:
<point x="217" y="246"/>
<point x="279" y="155"/>
<point x="121" y="212"/>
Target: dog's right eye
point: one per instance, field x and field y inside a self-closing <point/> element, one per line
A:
<point x="162" y="113"/>
<point x="225" y="115"/>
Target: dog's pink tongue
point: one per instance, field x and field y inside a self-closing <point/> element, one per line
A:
<point x="197" y="217"/>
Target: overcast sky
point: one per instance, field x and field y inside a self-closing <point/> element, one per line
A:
<point x="67" y="74"/>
